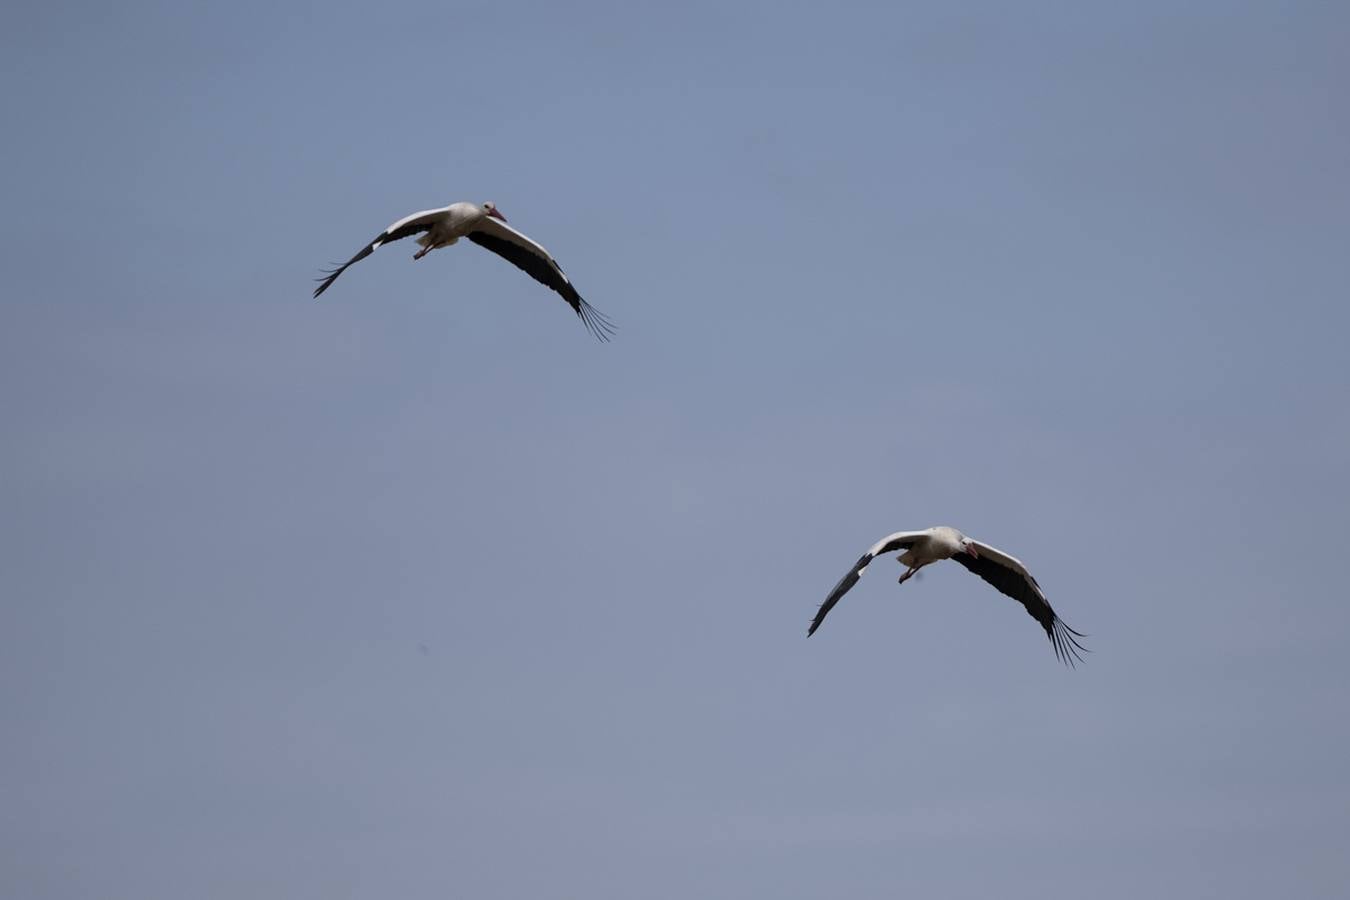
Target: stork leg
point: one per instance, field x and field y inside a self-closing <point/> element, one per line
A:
<point x="423" y="252"/>
<point x="905" y="577"/>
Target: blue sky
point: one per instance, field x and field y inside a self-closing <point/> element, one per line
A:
<point x="418" y="591"/>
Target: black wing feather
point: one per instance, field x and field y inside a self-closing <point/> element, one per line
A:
<point x="849" y="580"/>
<point x="541" y="271"/>
<point x="385" y="237"/>
<point x="1025" y="590"/>
<point x="840" y="589"/>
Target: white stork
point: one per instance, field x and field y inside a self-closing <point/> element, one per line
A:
<point x="994" y="566"/>
<point x="486" y="227"/>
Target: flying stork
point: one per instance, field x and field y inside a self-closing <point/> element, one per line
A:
<point x="486" y="227"/>
<point x="1004" y="572"/>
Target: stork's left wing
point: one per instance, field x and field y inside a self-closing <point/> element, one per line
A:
<point x="1010" y="577"/>
<point x="517" y="249"/>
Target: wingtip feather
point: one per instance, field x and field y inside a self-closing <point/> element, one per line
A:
<point x="1067" y="650"/>
<point x="596" y="322"/>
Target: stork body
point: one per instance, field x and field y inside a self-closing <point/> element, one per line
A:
<point x="937" y="544"/>
<point x="457" y="220"/>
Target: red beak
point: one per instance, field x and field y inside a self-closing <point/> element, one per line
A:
<point x="970" y="548"/>
<point x="496" y="215"/>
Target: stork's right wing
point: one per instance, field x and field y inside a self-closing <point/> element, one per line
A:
<point x="901" y="540"/>
<point x="417" y="223"/>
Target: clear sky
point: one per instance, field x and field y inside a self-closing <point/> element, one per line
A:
<point x="420" y="592"/>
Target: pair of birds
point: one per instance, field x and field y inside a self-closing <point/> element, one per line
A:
<point x="484" y="225"/>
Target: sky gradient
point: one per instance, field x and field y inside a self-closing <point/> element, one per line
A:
<point x="418" y="591"/>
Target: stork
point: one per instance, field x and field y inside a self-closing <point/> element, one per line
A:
<point x="483" y="224"/>
<point x="1004" y="572"/>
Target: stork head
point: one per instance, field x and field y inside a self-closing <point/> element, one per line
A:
<point x="491" y="209"/>
<point x="968" y="546"/>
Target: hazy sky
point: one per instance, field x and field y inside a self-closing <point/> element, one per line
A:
<point x="420" y="592"/>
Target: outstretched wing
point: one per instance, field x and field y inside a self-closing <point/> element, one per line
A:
<point x="517" y="249"/>
<point x="1009" y="576"/>
<point x="901" y="540"/>
<point x="417" y="223"/>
